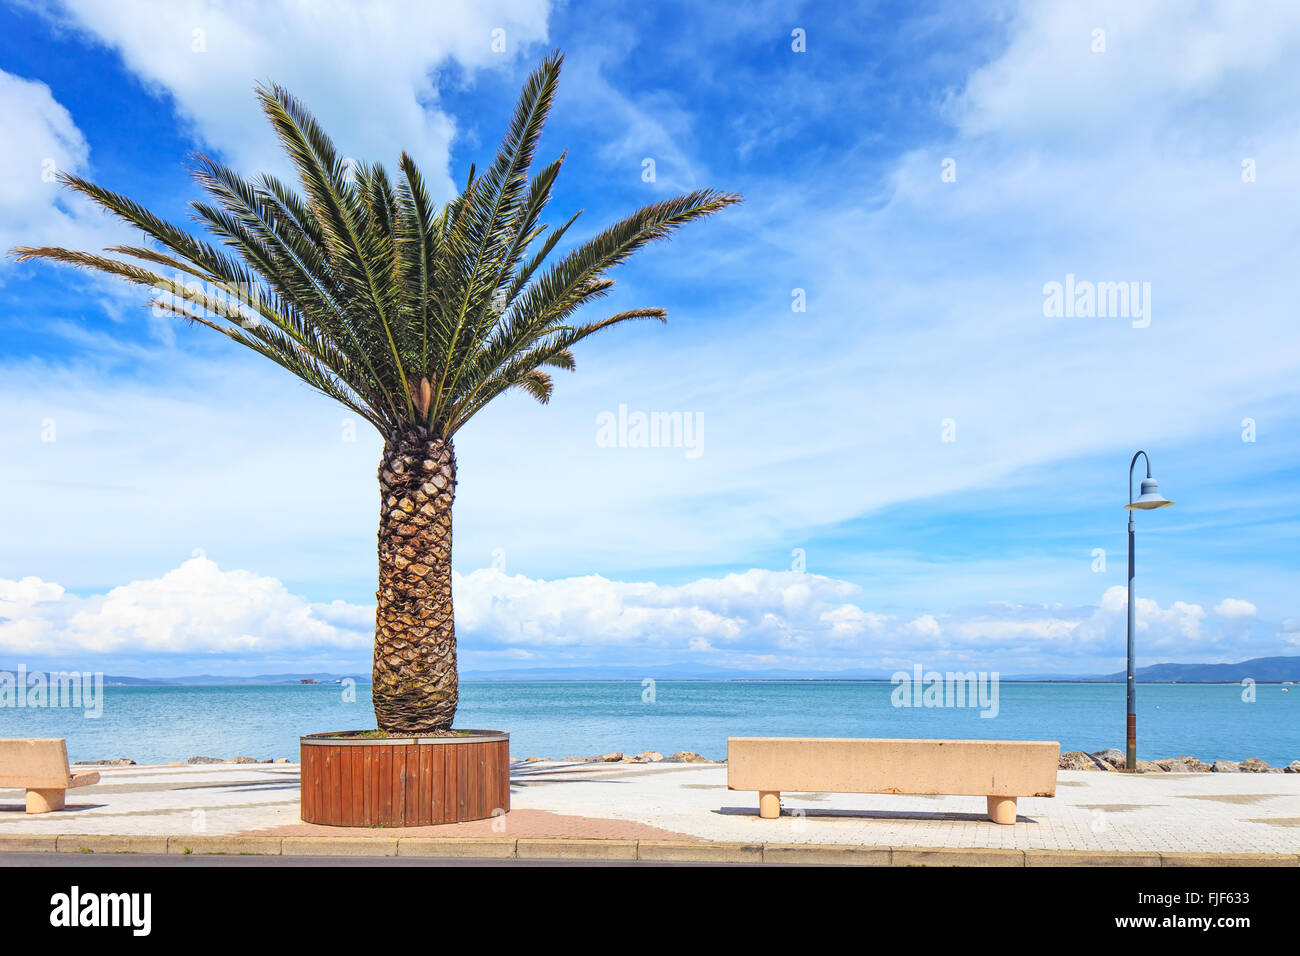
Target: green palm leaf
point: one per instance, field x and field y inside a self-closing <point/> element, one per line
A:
<point x="410" y="314"/>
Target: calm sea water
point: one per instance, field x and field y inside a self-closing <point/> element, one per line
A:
<point x="554" y="719"/>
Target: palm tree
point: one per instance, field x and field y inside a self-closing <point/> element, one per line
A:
<point x="414" y="317"/>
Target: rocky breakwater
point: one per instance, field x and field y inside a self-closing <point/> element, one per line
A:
<point x="1112" y="761"/>
<point x="617" y="756"/>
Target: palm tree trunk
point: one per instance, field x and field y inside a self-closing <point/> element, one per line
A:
<point x="415" y="686"/>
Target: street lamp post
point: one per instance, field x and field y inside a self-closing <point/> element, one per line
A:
<point x="1149" y="499"/>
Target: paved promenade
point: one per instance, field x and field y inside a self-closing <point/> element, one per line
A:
<point x="1146" y="817"/>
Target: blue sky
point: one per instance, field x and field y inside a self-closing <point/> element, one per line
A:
<point x="172" y="506"/>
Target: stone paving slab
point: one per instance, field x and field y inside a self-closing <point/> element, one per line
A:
<point x="537" y="824"/>
<point x="1092" y="811"/>
<point x="1129" y="819"/>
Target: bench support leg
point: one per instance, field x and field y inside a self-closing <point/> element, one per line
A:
<point x="43" y="801"/>
<point x="1002" y="809"/>
<point x="769" y="804"/>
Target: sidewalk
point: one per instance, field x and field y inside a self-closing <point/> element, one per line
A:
<point x="632" y="809"/>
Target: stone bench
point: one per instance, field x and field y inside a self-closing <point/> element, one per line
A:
<point x="1000" y="770"/>
<point x="40" y="766"/>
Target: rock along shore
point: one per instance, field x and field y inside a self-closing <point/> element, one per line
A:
<point x="1113" y="760"/>
<point x="192" y="761"/>
<point x="1105" y="761"/>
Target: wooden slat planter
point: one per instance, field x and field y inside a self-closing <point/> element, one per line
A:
<point x="404" y="781"/>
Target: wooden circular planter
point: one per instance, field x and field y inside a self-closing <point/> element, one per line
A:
<point x="404" y="781"/>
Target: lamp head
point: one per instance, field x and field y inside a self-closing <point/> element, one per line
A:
<point x="1150" y="497"/>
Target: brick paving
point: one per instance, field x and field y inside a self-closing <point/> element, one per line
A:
<point x="538" y="824"/>
<point x="1163" y="813"/>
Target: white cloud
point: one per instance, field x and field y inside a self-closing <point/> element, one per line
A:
<point x="1234" y="607"/>
<point x="929" y="291"/>
<point x="945" y="278"/>
<point x="40" y="140"/>
<point x="498" y="609"/>
<point x="200" y="609"/>
<point x="848" y="622"/>
<point x="650" y="127"/>
<point x="368" y="71"/>
<point x="931" y="294"/>
<point x="1054" y="83"/>
<point x="1173" y="630"/>
<point x="993" y="629"/>
<point x="196" y="608"/>
<point x="117" y="474"/>
<point x="925" y="625"/>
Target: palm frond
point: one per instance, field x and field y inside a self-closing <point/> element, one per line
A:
<point x="411" y="314"/>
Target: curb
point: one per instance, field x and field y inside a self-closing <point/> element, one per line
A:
<point x="826" y="854"/>
<point x="468" y="848"/>
<point x="685" y="851"/>
<point x="598" y="850"/>
<point x="27" y="843"/>
<point x="542" y="849"/>
<point x="941" y="856"/>
<point x="1091" y="858"/>
<point x="107" y="843"/>
<point x="339" y="846"/>
<point x="222" y="845"/>
<point x="1230" y="859"/>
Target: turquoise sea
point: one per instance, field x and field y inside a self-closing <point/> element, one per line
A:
<point x="555" y="719"/>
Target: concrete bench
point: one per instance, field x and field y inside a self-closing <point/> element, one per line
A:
<point x="40" y="765"/>
<point x="999" y="770"/>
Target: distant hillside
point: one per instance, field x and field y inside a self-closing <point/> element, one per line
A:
<point x="206" y="680"/>
<point x="1263" y="670"/>
<point x="215" y="680"/>
<point x="664" y="672"/>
